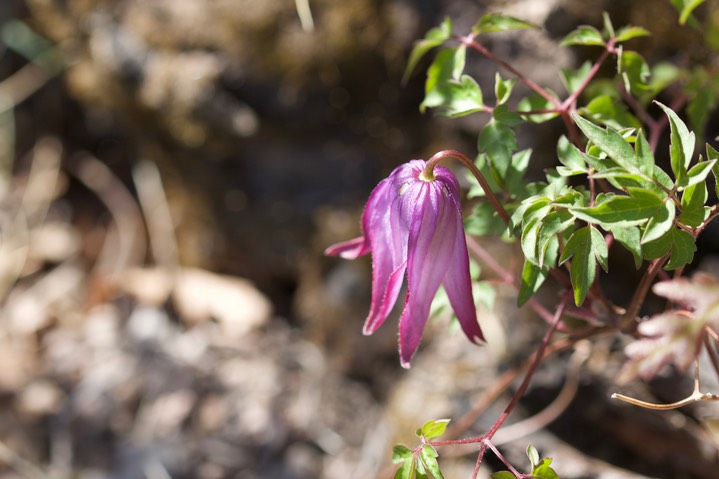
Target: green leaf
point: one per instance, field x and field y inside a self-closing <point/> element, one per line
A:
<point x="400" y="452"/>
<point x="610" y="111"/>
<point x="616" y="147"/>
<point x="503" y="475"/>
<point x="455" y="98"/>
<point x="634" y="71"/>
<point x="503" y="88"/>
<point x="572" y="159"/>
<point x="573" y="78"/>
<point x="697" y="174"/>
<point x="537" y="102"/>
<point x="405" y="470"/>
<point x="498" y="142"/>
<point x="532" y="278"/>
<point x="484" y="221"/>
<point x="448" y="65"/>
<point x="435" y="37"/>
<point x="544" y="471"/>
<point x="433" y="429"/>
<point x="629" y="32"/>
<point x="659" y="223"/>
<point x="683" y="247"/>
<point x="551" y="225"/>
<point x="685" y="9"/>
<point x="713" y="154"/>
<point x="608" y="27"/>
<point x="497" y="22"/>
<point x="682" y="143"/>
<point x="429" y="459"/>
<point x="586" y="247"/>
<point x="584" y="35"/>
<point x="680" y="243"/>
<point x="622" y="210"/>
<point x="533" y="456"/>
<point x="630" y="238"/>
<point x="693" y="210"/>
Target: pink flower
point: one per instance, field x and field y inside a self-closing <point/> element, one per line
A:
<point x="413" y="222"/>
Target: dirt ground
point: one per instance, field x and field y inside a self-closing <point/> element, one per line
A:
<point x="170" y="173"/>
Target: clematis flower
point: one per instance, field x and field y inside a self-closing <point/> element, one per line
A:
<point x="413" y="222"/>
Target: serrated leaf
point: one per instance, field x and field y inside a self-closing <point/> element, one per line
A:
<point x="429" y="459"/>
<point x="616" y="147"/>
<point x="630" y="238"/>
<point x="679" y="243"/>
<point x="435" y="37"/>
<point x="400" y="452"/>
<point x="552" y="224"/>
<point x="659" y="223"/>
<point x="683" y="249"/>
<point x="497" y="22"/>
<point x="621" y="210"/>
<point x="629" y="32"/>
<point x="697" y="174"/>
<point x="585" y="247"/>
<point x="498" y="141"/>
<point x="694" y="213"/>
<point x="610" y="111"/>
<point x="584" y="35"/>
<point x="544" y="471"/>
<point x="533" y="456"/>
<point x="570" y="156"/>
<point x="634" y="71"/>
<point x="433" y="429"/>
<point x="682" y="143"/>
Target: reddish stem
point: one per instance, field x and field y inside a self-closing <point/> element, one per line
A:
<point x="428" y="173"/>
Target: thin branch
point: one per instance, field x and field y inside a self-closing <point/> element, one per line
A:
<point x="469" y="41"/>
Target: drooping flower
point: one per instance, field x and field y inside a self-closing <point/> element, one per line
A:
<point x="413" y="222"/>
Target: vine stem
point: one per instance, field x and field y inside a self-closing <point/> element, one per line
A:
<point x="468" y="40"/>
<point x="641" y="292"/>
<point x="486" y="438"/>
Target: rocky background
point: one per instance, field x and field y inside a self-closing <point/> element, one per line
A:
<point x="170" y="173"/>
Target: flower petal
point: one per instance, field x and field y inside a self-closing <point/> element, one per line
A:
<point x="431" y="241"/>
<point x="458" y="285"/>
<point x="389" y="253"/>
<point x="350" y="249"/>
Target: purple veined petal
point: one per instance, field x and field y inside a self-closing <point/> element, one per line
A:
<point x="377" y="316"/>
<point x="458" y="285"/>
<point x="388" y="254"/>
<point x="430" y="248"/>
<point x="357" y="247"/>
<point x="350" y="249"/>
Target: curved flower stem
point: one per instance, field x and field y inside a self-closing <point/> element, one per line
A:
<point x="428" y="174"/>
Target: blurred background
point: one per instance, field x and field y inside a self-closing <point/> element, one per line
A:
<point x="170" y="173"/>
